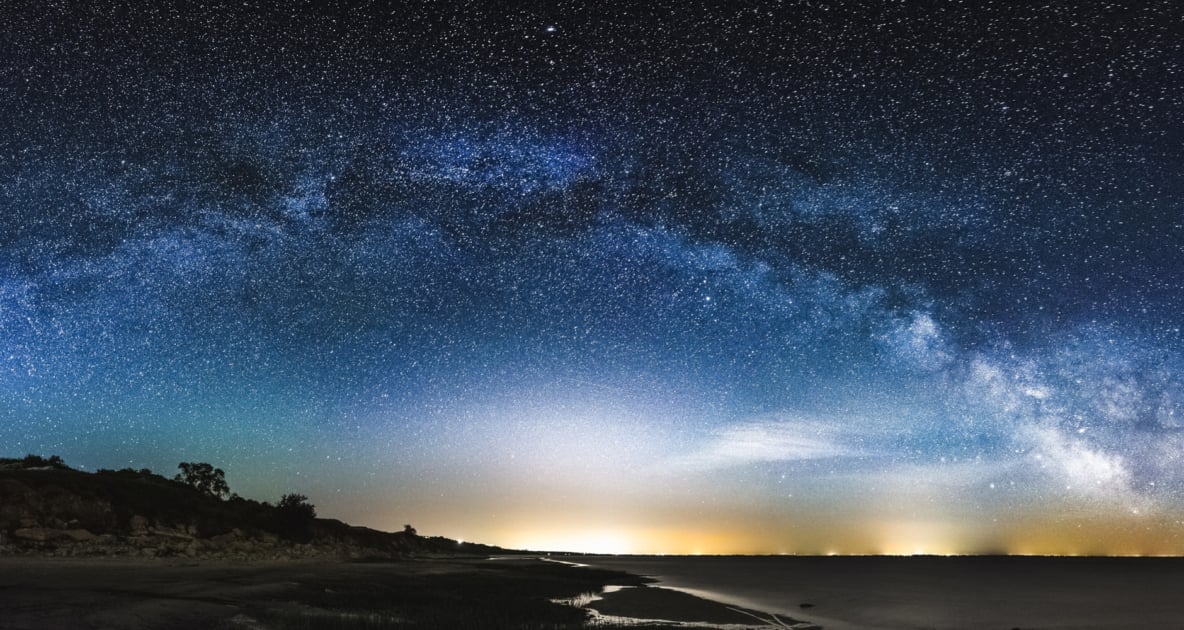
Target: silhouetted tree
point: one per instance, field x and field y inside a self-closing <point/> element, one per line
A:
<point x="297" y="505"/>
<point x="37" y="461"/>
<point x="204" y="478"/>
<point x="409" y="530"/>
<point x="296" y="517"/>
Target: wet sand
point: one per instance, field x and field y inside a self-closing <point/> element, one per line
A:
<point x="844" y="593"/>
<point x="72" y="593"/>
<point x="664" y="604"/>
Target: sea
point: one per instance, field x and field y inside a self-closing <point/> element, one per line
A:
<point x="960" y="592"/>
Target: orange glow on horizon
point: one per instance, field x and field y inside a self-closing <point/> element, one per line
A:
<point x="646" y="529"/>
<point x="889" y="539"/>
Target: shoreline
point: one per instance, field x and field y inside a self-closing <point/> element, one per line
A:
<point x="963" y="592"/>
<point x="531" y="591"/>
<point x="480" y="593"/>
<point x="655" y="602"/>
<point x="660" y="604"/>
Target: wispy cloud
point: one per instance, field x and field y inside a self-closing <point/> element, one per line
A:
<point x="769" y="440"/>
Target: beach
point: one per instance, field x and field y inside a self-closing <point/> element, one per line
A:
<point x="931" y="592"/>
<point x="438" y="593"/>
<point x="835" y="593"/>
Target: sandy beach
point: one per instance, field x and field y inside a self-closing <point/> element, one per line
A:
<point x="670" y="605"/>
<point x="53" y="593"/>
<point x="524" y="592"/>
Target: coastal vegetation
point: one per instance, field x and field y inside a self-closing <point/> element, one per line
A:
<point x="48" y="508"/>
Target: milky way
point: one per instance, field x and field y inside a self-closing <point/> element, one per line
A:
<point x="794" y="277"/>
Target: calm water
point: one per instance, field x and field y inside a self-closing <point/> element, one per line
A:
<point x="928" y="592"/>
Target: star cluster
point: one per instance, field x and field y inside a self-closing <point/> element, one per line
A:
<point x="665" y="277"/>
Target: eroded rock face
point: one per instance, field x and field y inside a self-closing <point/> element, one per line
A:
<point x="137" y="525"/>
<point x="43" y="534"/>
<point x="18" y="505"/>
<point x="39" y="534"/>
<point x="64" y="509"/>
<point x="156" y="542"/>
<point x="79" y="535"/>
<point x="171" y="532"/>
<point x="227" y="538"/>
<point x="53" y="521"/>
<point x="22" y="507"/>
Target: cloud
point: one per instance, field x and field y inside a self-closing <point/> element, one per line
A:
<point x="767" y="441"/>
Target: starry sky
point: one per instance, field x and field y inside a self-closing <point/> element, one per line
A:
<point x="665" y="277"/>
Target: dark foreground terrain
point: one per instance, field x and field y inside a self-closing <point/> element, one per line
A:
<point x="478" y="594"/>
<point x="133" y="549"/>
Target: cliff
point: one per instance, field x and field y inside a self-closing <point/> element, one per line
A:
<point x="49" y="509"/>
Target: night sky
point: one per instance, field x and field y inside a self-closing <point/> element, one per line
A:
<point x="799" y="277"/>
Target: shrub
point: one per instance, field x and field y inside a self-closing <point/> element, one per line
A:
<point x="204" y="478"/>
<point x="297" y="505"/>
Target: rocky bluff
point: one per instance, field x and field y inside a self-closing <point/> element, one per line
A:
<point x="47" y="508"/>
